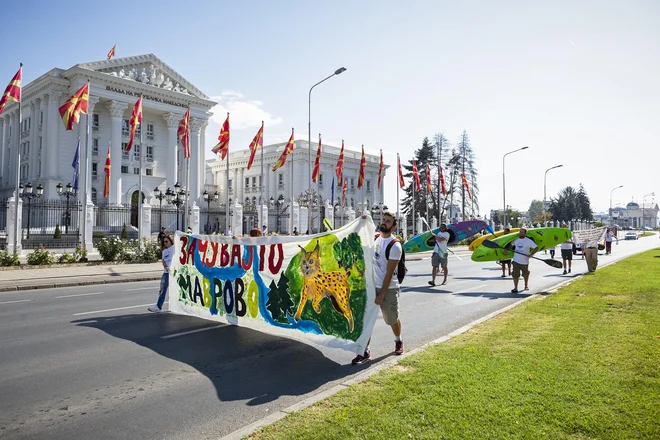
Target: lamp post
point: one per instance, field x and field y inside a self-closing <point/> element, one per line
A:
<point x="545" y="176"/>
<point x="176" y="198"/>
<point x="504" y="181"/>
<point x="28" y="194"/>
<point x="644" y="201"/>
<point x="277" y="204"/>
<point x="309" y="143"/>
<point x="611" y="219"/>
<point x="208" y="198"/>
<point x="160" y="196"/>
<point x="68" y="193"/>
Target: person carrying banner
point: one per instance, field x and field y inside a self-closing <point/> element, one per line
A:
<point x="440" y="252"/>
<point x="524" y="248"/>
<point x="168" y="253"/>
<point x="590" y="248"/>
<point x="609" y="236"/>
<point x="567" y="252"/>
<point x="387" y="253"/>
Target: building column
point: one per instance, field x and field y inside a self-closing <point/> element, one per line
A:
<point x="117" y="114"/>
<point x="4" y="132"/>
<point x="53" y="147"/>
<point x="171" y="170"/>
<point x="42" y="155"/>
<point x="196" y="149"/>
<point x="15" y="166"/>
<point x="202" y="154"/>
<point x="34" y="139"/>
<point x="85" y="167"/>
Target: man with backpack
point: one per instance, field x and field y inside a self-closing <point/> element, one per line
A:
<point x="387" y="256"/>
<point x="440" y="252"/>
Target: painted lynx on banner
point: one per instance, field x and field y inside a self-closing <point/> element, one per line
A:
<point x="316" y="288"/>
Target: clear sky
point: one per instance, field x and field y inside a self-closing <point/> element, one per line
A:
<point x="576" y="81"/>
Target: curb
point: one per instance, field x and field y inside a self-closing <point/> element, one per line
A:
<point x="278" y="415"/>
<point x="79" y="283"/>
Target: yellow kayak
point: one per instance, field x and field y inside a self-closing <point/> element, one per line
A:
<point x="476" y="243"/>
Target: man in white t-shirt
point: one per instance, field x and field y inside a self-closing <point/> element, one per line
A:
<point x="524" y="248"/>
<point x="609" y="237"/>
<point x="440" y="251"/>
<point x="567" y="251"/>
<point x="387" y="285"/>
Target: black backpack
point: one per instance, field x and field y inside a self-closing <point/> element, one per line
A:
<point x="401" y="268"/>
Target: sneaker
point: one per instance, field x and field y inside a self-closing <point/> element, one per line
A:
<point x="362" y="359"/>
<point x="398" y="347"/>
<point x="514" y="290"/>
<point x="431" y="283"/>
<point x="569" y="271"/>
<point x="565" y="272"/>
<point x="503" y="276"/>
<point x="154" y="309"/>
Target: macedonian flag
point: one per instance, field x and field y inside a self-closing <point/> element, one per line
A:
<point x="257" y="142"/>
<point x="106" y="170"/>
<point x="184" y="134"/>
<point x="317" y="163"/>
<point x="381" y="167"/>
<point x="465" y="184"/>
<point x="415" y="173"/>
<point x="363" y="165"/>
<point x="343" y="192"/>
<point x="402" y="183"/>
<point x="339" y="169"/>
<point x="287" y="150"/>
<point x="13" y="90"/>
<point x="112" y="51"/>
<point x="429" y="187"/>
<point x="74" y="106"/>
<point x="223" y="140"/>
<point x="136" y="118"/>
<point x="442" y="183"/>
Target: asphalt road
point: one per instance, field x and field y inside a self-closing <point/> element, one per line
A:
<point x="91" y="362"/>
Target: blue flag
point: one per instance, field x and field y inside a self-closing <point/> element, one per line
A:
<point x="76" y="167"/>
<point x="332" y="198"/>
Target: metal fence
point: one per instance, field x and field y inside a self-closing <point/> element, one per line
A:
<point x="213" y="220"/>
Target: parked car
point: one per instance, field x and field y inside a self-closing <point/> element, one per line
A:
<point x="631" y="235"/>
<point x="627" y="228"/>
<point x="647" y="228"/>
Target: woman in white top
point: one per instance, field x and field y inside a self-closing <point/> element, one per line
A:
<point x="168" y="253"/>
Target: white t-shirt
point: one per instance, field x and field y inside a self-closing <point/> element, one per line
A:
<point x="441" y="246"/>
<point x="568" y="244"/>
<point x="524" y="245"/>
<point x="380" y="262"/>
<point x="168" y="253"/>
<point x="609" y="236"/>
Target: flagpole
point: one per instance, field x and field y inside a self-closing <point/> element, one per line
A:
<point x="187" y="192"/>
<point x="398" y="185"/>
<point x="83" y="227"/>
<point x="413" y="204"/>
<point x="428" y="179"/>
<point x="140" y="231"/>
<point x="318" y="189"/>
<point x="264" y="221"/>
<point x="18" y="168"/>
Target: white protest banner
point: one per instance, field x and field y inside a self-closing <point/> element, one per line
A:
<point x="314" y="288"/>
<point x="589" y="236"/>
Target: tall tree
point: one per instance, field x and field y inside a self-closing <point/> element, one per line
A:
<point x="425" y="155"/>
<point x="535" y="211"/>
<point x="564" y="207"/>
<point x="464" y="162"/>
<point x="584" y="205"/>
<point x="442" y="149"/>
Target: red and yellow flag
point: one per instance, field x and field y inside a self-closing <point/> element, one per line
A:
<point x="402" y="183"/>
<point x="429" y="187"/>
<point x="136" y="118"/>
<point x="467" y="187"/>
<point x="287" y="150"/>
<point x="223" y="140"/>
<point x="380" y="169"/>
<point x="317" y="163"/>
<point x="418" y="185"/>
<point x="106" y="170"/>
<point x="442" y="183"/>
<point x="257" y="142"/>
<point x="184" y="133"/>
<point x="339" y="169"/>
<point x="74" y="106"/>
<point x="13" y="90"/>
<point x="112" y="51"/>
<point x="343" y="192"/>
<point x="363" y="165"/>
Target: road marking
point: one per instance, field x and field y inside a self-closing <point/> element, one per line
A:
<point x="140" y="288"/>
<point x="17" y="301"/>
<point x="112" y="310"/>
<point x="189" y="332"/>
<point x="79" y="294"/>
<point x="474" y="288"/>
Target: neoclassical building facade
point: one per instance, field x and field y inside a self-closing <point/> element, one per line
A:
<point x="47" y="149"/>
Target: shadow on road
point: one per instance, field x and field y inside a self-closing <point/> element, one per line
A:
<point x="479" y="278"/>
<point x="495" y="295"/>
<point x="242" y="364"/>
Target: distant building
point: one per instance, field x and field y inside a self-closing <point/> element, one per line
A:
<point x="632" y="214"/>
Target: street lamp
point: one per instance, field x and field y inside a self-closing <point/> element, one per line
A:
<point x="277" y="204"/>
<point x="28" y="194"/>
<point x="68" y="193"/>
<point x="504" y="181"/>
<point x="208" y="198"/>
<point x="160" y="196"/>
<point x="611" y="219"/>
<point x="544" y="180"/>
<point x="176" y="198"/>
<point x="309" y="144"/>
<point x="644" y="201"/>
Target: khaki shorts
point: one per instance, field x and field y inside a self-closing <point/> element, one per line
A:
<point x="518" y="268"/>
<point x="437" y="260"/>
<point x="390" y="305"/>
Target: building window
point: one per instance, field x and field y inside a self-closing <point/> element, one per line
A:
<point x="125" y="127"/>
<point x="124" y="169"/>
<point x="95" y="122"/>
<point x="254" y="182"/>
<point x="124" y="153"/>
<point x="41" y="118"/>
<point x="94" y="196"/>
<point x="94" y="169"/>
<point x="352" y="185"/>
<point x="230" y="183"/>
<point x="95" y="146"/>
<point x="321" y="179"/>
<point x="280" y="179"/>
<point x="149" y="172"/>
<point x="136" y="152"/>
<point x="150" y="132"/>
<point x="136" y="170"/>
<point x="368" y="185"/>
<point x="260" y="182"/>
<point x="247" y="182"/>
<point x="150" y="153"/>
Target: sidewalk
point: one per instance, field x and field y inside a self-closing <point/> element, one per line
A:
<point x="46" y="278"/>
